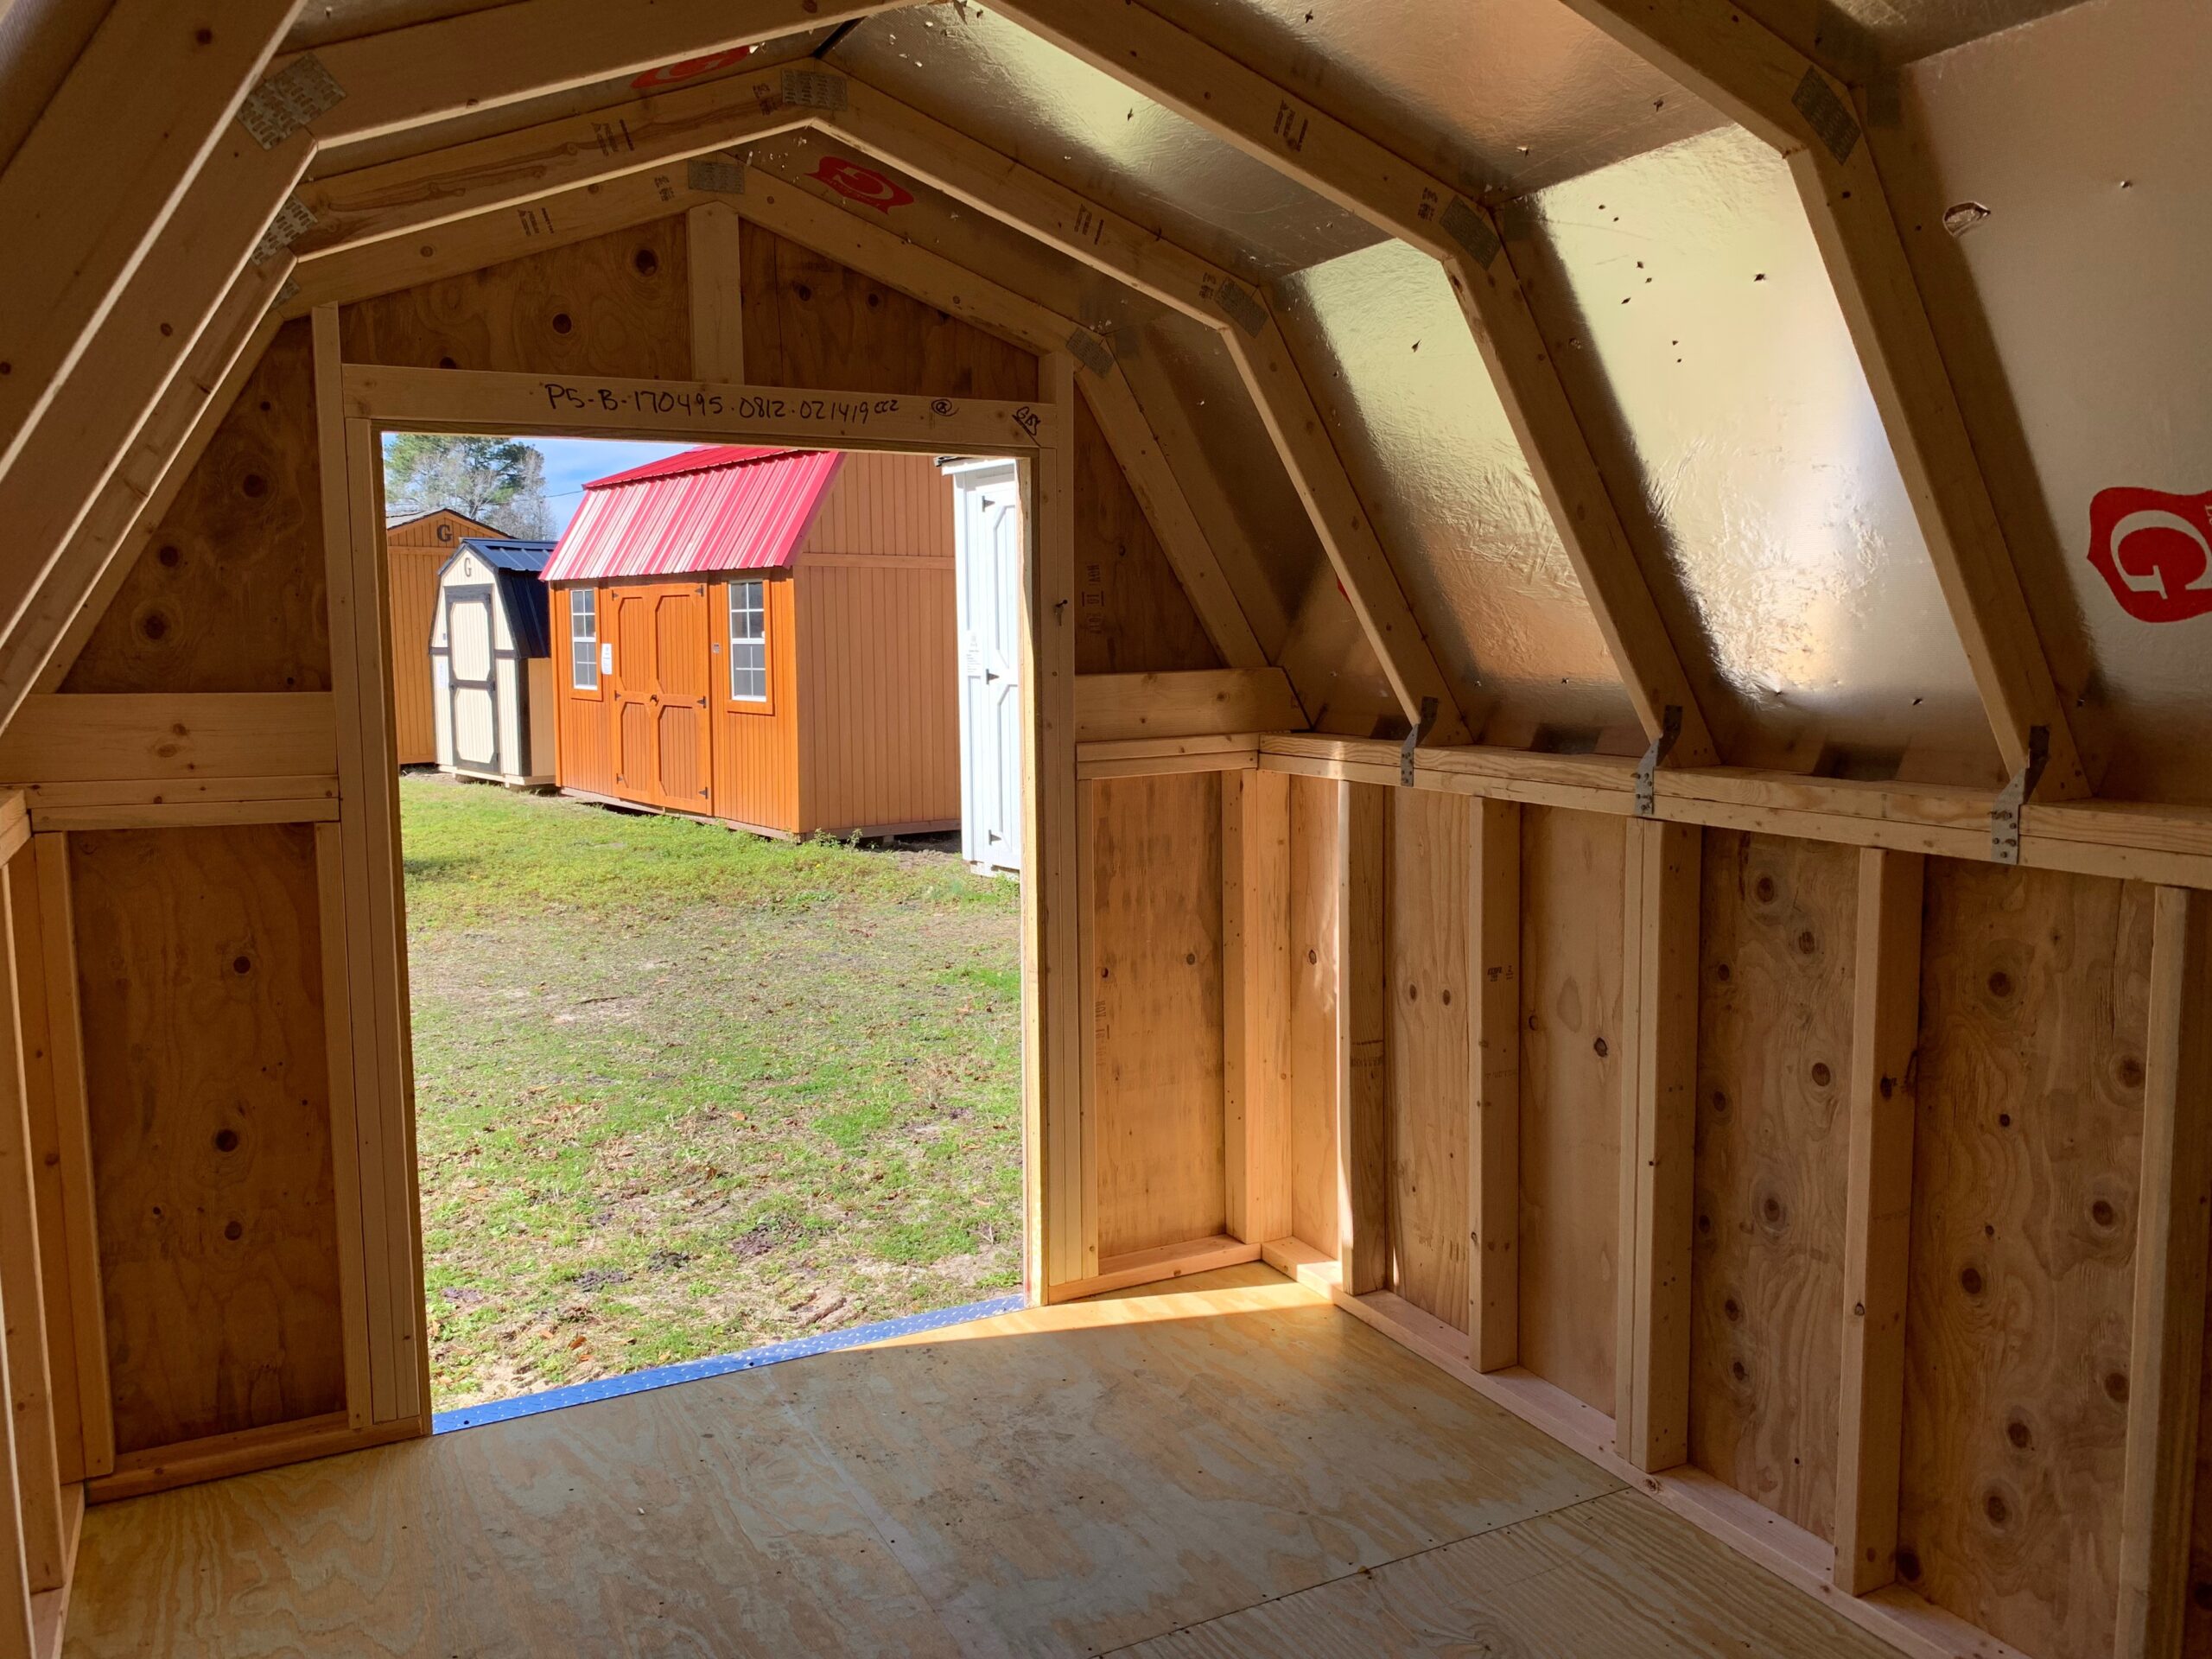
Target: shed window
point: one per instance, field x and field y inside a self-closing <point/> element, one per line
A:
<point x="748" y="642"/>
<point x="583" y="639"/>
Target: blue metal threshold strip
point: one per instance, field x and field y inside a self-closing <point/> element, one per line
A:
<point x="693" y="1370"/>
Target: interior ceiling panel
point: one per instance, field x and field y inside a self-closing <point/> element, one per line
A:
<point x="2085" y="231"/>
<point x="993" y="79"/>
<point x="1388" y="355"/>
<point x="1710" y="362"/>
<point x="527" y="113"/>
<point x="1508" y="95"/>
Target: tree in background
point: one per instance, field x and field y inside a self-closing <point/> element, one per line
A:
<point x="497" y="481"/>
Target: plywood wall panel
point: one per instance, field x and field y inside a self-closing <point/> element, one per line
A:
<point x="1131" y="615"/>
<point x="618" y="304"/>
<point x="1312" y="1099"/>
<point x="2033" y="1018"/>
<point x="230" y="593"/>
<point x="1156" y="956"/>
<point x="1572" y="898"/>
<point x="1430" y="1065"/>
<point x="1776" y="941"/>
<point x="200" y="966"/>
<point x="811" y="321"/>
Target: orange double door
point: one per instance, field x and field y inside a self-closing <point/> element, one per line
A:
<point x="662" y="729"/>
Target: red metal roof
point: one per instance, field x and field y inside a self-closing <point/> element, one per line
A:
<point x="720" y="508"/>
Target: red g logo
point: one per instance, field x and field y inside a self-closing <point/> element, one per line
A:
<point x="851" y="179"/>
<point x="669" y="73"/>
<point x="2153" y="550"/>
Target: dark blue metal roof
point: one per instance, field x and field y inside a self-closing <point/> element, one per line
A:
<point x="528" y="609"/>
<point x="526" y="556"/>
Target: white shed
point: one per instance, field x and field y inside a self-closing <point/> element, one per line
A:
<point x="491" y="664"/>
<point x="987" y="550"/>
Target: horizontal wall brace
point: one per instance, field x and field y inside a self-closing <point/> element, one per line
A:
<point x="1199" y="702"/>
<point x="2129" y="840"/>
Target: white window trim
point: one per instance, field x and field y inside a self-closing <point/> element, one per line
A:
<point x="590" y="598"/>
<point x="759" y="610"/>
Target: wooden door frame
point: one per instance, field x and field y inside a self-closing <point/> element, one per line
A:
<point x="355" y="405"/>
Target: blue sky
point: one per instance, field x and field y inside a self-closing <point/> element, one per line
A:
<point x="570" y="463"/>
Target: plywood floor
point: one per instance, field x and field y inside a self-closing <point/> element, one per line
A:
<point x="1231" y="1467"/>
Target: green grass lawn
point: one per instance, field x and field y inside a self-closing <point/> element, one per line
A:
<point x="680" y="1090"/>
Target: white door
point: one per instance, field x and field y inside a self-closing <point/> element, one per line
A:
<point x="988" y="549"/>
<point x="471" y="682"/>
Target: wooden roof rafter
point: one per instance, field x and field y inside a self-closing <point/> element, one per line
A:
<point x="123" y="518"/>
<point x="1213" y="89"/>
<point x="150" y="95"/>
<point x="413" y="76"/>
<point x="117" y="291"/>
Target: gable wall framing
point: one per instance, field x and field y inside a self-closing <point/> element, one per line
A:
<point x="233" y="601"/>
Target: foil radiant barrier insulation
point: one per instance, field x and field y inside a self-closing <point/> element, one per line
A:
<point x="1390" y="360"/>
<point x="1700" y="337"/>
<point x="2073" y="160"/>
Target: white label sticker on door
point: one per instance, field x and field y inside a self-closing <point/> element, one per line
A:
<point x="606" y="656"/>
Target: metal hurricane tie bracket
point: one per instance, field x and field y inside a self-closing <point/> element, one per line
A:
<point x="1646" y="770"/>
<point x="2005" y="816"/>
<point x="1413" y="741"/>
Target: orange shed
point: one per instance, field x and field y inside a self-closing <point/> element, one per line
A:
<point x="418" y="549"/>
<point x="765" y="637"/>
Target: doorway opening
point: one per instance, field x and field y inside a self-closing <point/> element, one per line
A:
<point x="717" y="1016"/>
